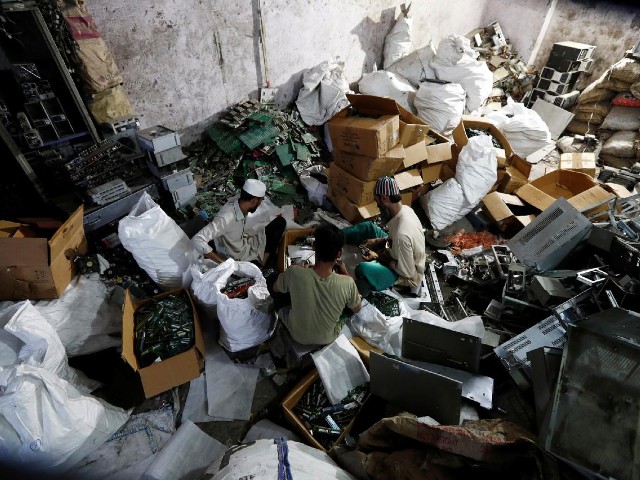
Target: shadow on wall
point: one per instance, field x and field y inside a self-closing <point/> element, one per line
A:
<point x="371" y="36"/>
<point x="288" y="91"/>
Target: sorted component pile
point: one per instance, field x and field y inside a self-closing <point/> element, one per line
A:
<point x="163" y="328"/>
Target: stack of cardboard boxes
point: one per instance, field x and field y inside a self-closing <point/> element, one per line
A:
<point x="376" y="137"/>
<point x="558" y="78"/>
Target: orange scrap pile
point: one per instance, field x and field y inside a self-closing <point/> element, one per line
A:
<point x="465" y="240"/>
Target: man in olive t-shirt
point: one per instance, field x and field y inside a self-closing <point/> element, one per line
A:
<point x="318" y="294"/>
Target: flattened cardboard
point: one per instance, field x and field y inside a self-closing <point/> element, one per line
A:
<point x="579" y="162"/>
<point x="289" y="238"/>
<point x="166" y="374"/>
<point x="367" y="168"/>
<point x="37" y="268"/>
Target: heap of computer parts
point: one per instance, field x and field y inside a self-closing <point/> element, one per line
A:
<point x="108" y="192"/>
<point x="101" y="163"/>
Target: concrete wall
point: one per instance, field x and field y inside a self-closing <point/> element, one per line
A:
<point x="185" y="61"/>
<point x="613" y="27"/>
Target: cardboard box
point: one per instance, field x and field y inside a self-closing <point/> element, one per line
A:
<point x="431" y="173"/>
<point x="579" y="189"/>
<point x="343" y="184"/>
<point x="364" y="135"/>
<point x="500" y="208"/>
<point x="580" y="162"/>
<point x="367" y="168"/>
<point x="290" y="237"/>
<point x="518" y="171"/>
<point x="37" y="268"/>
<point x="292" y="399"/>
<point x="171" y="372"/>
<point x="461" y="139"/>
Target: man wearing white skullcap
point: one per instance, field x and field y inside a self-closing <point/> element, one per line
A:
<point x="228" y="230"/>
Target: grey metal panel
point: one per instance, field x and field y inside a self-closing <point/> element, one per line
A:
<point x="419" y="391"/>
<point x="102" y="216"/>
<point x="477" y="388"/>
<point x="430" y="343"/>
<point x="596" y="406"/>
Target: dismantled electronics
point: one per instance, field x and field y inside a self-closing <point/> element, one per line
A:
<point x="163" y="328"/>
<point x="325" y="422"/>
<point x="238" y="287"/>
<point x="388" y="305"/>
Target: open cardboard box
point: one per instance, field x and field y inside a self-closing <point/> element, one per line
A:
<point x="171" y="372"/>
<point x="292" y="399"/>
<point x="356" y="214"/>
<point x="371" y="134"/>
<point x="461" y="139"/>
<point x="39" y="268"/>
<point x="500" y="208"/>
<point x="579" y="189"/>
<point x="290" y="237"/>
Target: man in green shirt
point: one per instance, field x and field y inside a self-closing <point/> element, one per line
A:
<point x="318" y="294"/>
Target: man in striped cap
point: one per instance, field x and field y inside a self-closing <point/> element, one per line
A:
<point x="397" y="258"/>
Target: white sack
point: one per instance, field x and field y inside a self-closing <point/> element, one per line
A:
<point x="387" y="84"/>
<point x="416" y="66"/>
<point x="158" y="244"/>
<point x="260" y="460"/>
<point x="522" y="127"/>
<point x="203" y="289"/>
<point x="445" y="204"/>
<point x="441" y="105"/>
<point x="45" y="422"/>
<point x="398" y="43"/>
<point x="340" y="368"/>
<point x="323" y="93"/>
<point x="471" y="325"/>
<point x="316" y="190"/>
<point x="476" y="171"/>
<point x="244" y="322"/>
<point x="40" y="345"/>
<point x="621" y="144"/>
<point x="378" y="329"/>
<point x="622" y="118"/>
<point x="456" y="62"/>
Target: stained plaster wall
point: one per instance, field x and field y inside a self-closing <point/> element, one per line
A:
<point x="185" y="61"/>
<point x="613" y="27"/>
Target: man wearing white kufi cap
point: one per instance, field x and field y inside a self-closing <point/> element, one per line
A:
<point x="228" y="230"/>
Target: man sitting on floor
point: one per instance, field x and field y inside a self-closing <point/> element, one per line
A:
<point x="318" y="294"/>
<point x="397" y="258"/>
<point x="228" y="227"/>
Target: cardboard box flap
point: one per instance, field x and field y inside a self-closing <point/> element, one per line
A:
<point x="619" y="190"/>
<point x="563" y="183"/>
<point x="370" y="210"/>
<point x="408" y="179"/>
<point x="410" y="134"/>
<point x="535" y="197"/>
<point x="460" y="135"/>
<point x="396" y="153"/>
<point x="128" y="331"/>
<point x="373" y="105"/>
<point x="170" y="372"/>
<point x="72" y="229"/>
<point x="439" y="152"/>
<point x="414" y="154"/>
<point x="592" y="198"/>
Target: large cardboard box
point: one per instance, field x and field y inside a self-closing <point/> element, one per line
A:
<point x="580" y="162"/>
<point x="290" y="237"/>
<point x="579" y="189"/>
<point x="373" y="133"/>
<point x="171" y="372"/>
<point x="351" y="212"/>
<point x="343" y="184"/>
<point x="367" y="168"/>
<point x="40" y="268"/>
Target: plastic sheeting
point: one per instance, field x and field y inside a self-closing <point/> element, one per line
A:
<point x="323" y="93"/>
